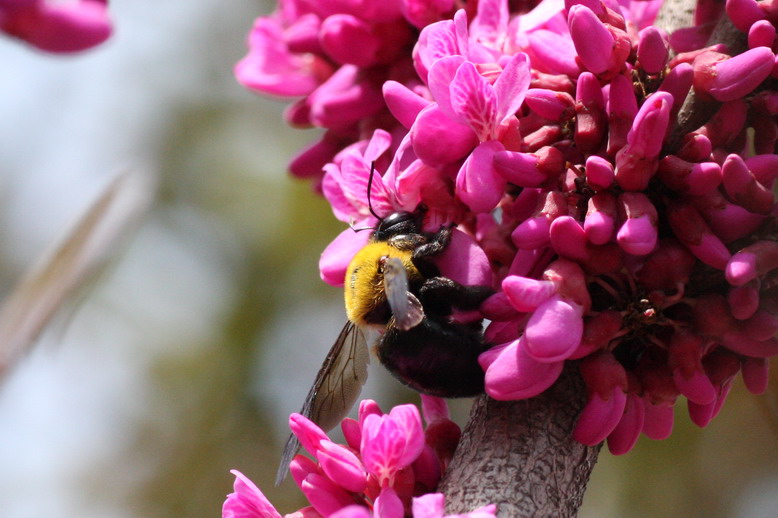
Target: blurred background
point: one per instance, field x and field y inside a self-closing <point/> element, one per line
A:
<point x="187" y="359"/>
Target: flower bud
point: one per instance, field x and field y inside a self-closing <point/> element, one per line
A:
<point x="742" y="187"/>
<point x="550" y="104"/>
<point x="687" y="177"/>
<point x="728" y="78"/>
<point x="694" y="233"/>
<point x="744" y="13"/>
<point x="622" y="108"/>
<point x="600" y="218"/>
<point x="599" y="172"/>
<point x="638" y="232"/>
<point x="652" y="50"/>
<point x="590" y="122"/>
<point x="761" y="34"/>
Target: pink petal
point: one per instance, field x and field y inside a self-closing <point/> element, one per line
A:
<point x="526" y="294"/>
<point x="552" y="53"/>
<point x="441" y="75"/>
<point x="697" y="387"/>
<point x="756" y="374"/>
<point x="568" y="238"/>
<point x="626" y="433"/>
<point x="592" y="39"/>
<point x="408" y="421"/>
<point x="351" y="432"/>
<point x="351" y="511"/>
<point x="511" y="86"/>
<point x="431" y="128"/>
<point x="599" y="417"/>
<point x="324" y="495"/>
<point x="404" y="104"/>
<point x="247" y="501"/>
<point x="599" y="172"/>
<point x="600" y="218"/>
<point x="490" y="23"/>
<point x="307" y="432"/>
<point x="270" y="67"/>
<point x="652" y="50"/>
<point x="336" y="257"/>
<point x="61" y="27"/>
<point x="639" y="232"/>
<point x="658" y="422"/>
<point x="516" y="375"/>
<point x="342" y="466"/>
<point x="478" y="184"/>
<point x="388" y="504"/>
<point x="735" y="77"/>
<point x="474" y="100"/>
<point x="430" y="505"/>
<point x="464" y="261"/>
<point x="349" y="40"/>
<point x="554" y="330"/>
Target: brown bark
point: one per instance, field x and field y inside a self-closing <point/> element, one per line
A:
<point x="520" y="455"/>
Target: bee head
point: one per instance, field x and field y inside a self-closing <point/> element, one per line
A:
<point x="400" y="223"/>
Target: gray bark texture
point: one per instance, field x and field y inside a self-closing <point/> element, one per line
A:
<point x="520" y="455"/>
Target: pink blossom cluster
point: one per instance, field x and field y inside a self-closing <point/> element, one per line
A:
<point x="389" y="467"/>
<point x="547" y="133"/>
<point x="56" y="26"/>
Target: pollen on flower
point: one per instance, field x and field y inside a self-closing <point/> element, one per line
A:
<point x="618" y="239"/>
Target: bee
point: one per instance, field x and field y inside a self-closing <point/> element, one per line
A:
<point x="392" y="285"/>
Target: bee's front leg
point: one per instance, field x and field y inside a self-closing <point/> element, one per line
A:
<point x="441" y="294"/>
<point x="434" y="245"/>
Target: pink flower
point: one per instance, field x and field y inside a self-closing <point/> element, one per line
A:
<point x="391" y="442"/>
<point x="550" y="138"/>
<point x="390" y="461"/>
<point x="59" y="27"/>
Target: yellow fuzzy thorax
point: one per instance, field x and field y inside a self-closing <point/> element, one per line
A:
<point x="364" y="284"/>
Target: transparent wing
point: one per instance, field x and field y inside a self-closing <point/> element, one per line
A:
<point x="406" y="308"/>
<point x="62" y="274"/>
<point x="335" y="390"/>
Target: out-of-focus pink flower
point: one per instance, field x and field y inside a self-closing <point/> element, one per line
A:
<point x="58" y="27"/>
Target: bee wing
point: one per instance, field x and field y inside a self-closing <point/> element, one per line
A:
<point x="406" y="308"/>
<point x="335" y="390"/>
<point x="61" y="275"/>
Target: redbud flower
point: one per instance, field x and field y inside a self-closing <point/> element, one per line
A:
<point x="389" y="466"/>
<point x="59" y="27"/>
<point x="644" y="258"/>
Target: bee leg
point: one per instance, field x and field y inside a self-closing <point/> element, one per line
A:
<point x="407" y="241"/>
<point x="435" y="245"/>
<point x="439" y="294"/>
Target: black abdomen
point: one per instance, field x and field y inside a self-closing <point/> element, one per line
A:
<point x="435" y="358"/>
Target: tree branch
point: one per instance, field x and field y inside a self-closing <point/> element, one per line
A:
<point x="521" y="456"/>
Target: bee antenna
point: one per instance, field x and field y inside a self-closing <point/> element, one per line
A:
<point x="369" y="186"/>
<point x="351" y="224"/>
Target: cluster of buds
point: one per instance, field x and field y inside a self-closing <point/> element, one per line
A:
<point x="336" y="57"/>
<point x="549" y="137"/>
<point x="59" y="27"/>
<point x="388" y="468"/>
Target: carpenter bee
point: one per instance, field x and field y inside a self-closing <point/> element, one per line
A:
<point x="393" y="286"/>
